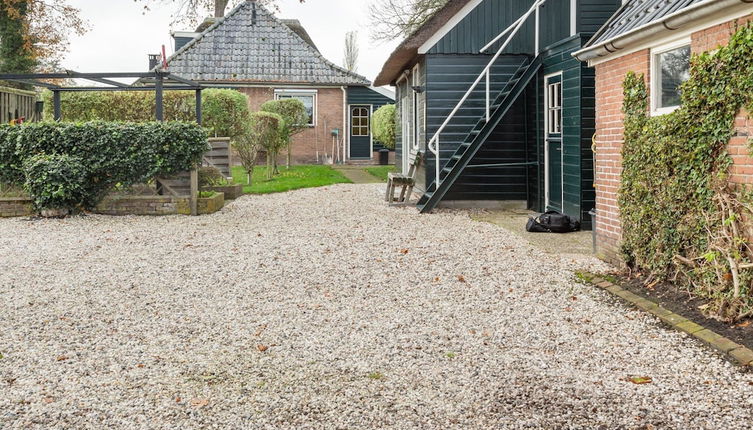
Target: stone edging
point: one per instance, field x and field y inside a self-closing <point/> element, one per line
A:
<point x="738" y="353"/>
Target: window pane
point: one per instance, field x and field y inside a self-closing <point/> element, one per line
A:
<point x="308" y="102"/>
<point x="675" y="69"/>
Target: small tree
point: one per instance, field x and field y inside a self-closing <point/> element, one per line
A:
<point x="295" y="118"/>
<point x="383" y="124"/>
<point x="262" y="131"/>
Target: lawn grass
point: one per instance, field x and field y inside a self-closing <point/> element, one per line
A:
<point x="381" y="171"/>
<point x="297" y="177"/>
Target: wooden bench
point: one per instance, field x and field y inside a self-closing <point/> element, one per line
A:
<point x="406" y="181"/>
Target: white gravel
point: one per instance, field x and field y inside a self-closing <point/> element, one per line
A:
<point x="158" y="323"/>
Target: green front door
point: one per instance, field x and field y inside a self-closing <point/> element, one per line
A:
<point x="360" y="132"/>
<point x="553" y="141"/>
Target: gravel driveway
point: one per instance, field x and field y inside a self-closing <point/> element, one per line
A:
<point x="324" y="308"/>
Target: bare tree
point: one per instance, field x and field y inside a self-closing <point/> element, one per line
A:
<point x="394" y="19"/>
<point x="190" y="11"/>
<point x="350" y="59"/>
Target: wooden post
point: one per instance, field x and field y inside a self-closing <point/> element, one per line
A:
<point x="158" y="98"/>
<point x="194" y="191"/>
<point x="198" y="107"/>
<point x="56" y="104"/>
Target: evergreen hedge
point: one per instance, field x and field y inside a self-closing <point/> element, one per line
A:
<point x="224" y="112"/>
<point x="74" y="165"/>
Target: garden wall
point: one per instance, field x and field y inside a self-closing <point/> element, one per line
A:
<point x="125" y="205"/>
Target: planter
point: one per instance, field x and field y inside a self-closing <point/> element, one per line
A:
<point x="231" y="192"/>
<point x="16" y="206"/>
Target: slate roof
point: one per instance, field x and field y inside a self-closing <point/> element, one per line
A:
<point x="636" y="13"/>
<point x="250" y="45"/>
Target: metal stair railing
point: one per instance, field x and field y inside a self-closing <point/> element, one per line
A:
<point x="511" y="32"/>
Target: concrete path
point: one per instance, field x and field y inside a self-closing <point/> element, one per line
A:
<point x="357" y="174"/>
<point x="325" y="308"/>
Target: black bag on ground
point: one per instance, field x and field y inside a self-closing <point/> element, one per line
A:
<point x="552" y="222"/>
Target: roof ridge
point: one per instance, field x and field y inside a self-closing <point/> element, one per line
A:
<point x="309" y="47"/>
<point x="209" y="29"/>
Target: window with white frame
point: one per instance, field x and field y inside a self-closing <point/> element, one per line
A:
<point x="670" y="67"/>
<point x="359" y="122"/>
<point x="308" y="98"/>
<point x="554" y="108"/>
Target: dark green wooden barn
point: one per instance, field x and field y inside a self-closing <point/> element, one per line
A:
<point x="525" y="139"/>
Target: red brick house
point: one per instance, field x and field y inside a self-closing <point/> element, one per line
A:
<point x="655" y="38"/>
<point x="267" y="58"/>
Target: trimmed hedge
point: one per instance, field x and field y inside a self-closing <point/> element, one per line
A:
<point x="74" y="165"/>
<point x="383" y="124"/>
<point x="224" y="112"/>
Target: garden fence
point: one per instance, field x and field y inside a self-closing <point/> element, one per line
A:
<point x="16" y="104"/>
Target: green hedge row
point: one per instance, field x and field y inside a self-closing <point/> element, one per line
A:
<point x="74" y="165"/>
<point x="224" y="112"/>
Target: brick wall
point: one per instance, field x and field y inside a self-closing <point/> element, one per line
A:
<point x="329" y="115"/>
<point x="609" y="139"/>
<point x="609" y="133"/>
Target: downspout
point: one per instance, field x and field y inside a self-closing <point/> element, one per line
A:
<point x="649" y="31"/>
<point x="345" y="133"/>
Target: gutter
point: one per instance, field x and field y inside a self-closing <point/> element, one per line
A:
<point x="671" y="22"/>
<point x="345" y="133"/>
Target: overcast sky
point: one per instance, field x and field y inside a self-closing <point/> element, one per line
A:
<point x="121" y="34"/>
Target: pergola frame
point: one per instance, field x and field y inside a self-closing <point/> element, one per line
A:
<point x="157" y="81"/>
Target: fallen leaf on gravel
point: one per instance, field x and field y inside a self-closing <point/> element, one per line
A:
<point x="573" y="298"/>
<point x="48" y="399"/>
<point x="260" y="330"/>
<point x="640" y="380"/>
<point x="140" y="365"/>
<point x="62" y="358"/>
<point x="199" y="403"/>
<point x="178" y="399"/>
<point x="404" y="251"/>
<point x="461" y="278"/>
<point x="262" y="348"/>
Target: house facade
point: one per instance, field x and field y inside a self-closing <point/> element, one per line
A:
<point x="528" y="138"/>
<point x="266" y="58"/>
<point x="655" y="38"/>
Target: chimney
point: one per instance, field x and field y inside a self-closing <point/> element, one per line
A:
<point x="154" y="60"/>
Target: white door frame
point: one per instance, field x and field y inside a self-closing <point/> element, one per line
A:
<point x="546" y="144"/>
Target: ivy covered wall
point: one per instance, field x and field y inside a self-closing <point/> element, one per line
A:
<point x="682" y="218"/>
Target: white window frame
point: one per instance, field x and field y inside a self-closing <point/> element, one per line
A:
<point x="655" y="75"/>
<point x="415" y="103"/>
<point x="298" y="92"/>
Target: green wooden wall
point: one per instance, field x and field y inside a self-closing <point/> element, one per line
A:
<point x="367" y="96"/>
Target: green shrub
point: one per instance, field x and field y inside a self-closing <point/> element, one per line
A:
<point x="223" y="111"/>
<point x="110" y="154"/>
<point x="383" y="125"/>
<point x="211" y="177"/>
<point x="56" y="181"/>
<point x="295" y="119"/>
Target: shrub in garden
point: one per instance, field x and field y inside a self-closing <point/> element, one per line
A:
<point x="295" y="120"/>
<point x="383" y="123"/>
<point x="223" y="111"/>
<point x="211" y="177"/>
<point x="57" y="181"/>
<point x="98" y="156"/>
<point x="264" y="130"/>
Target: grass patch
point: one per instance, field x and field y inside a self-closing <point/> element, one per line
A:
<point x="450" y="355"/>
<point x="376" y="376"/>
<point x="295" y="178"/>
<point x="381" y="171"/>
